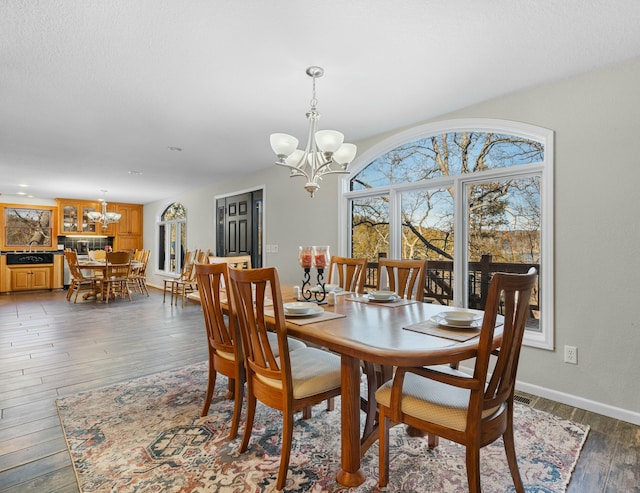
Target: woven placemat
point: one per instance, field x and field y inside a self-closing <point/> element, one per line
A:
<point x="432" y="328"/>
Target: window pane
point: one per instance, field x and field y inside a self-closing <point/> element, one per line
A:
<point x="447" y="154"/>
<point x="172" y="247"/>
<point x="503" y="220"/>
<point x="427" y="232"/>
<point x="162" y="242"/>
<point x="370" y="232"/>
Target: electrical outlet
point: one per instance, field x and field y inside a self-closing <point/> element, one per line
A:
<point x="571" y="355"/>
<point x="274" y="248"/>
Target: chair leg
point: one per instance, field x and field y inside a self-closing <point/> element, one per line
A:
<point x="164" y="292"/>
<point x="285" y="454"/>
<point x="510" y="449"/>
<point x="473" y="468"/>
<point x="237" y="405"/>
<point x="251" y="412"/>
<point x="210" y="386"/>
<point x="383" y="447"/>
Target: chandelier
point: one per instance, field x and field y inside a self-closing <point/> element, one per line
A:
<point x="105" y="218"/>
<point x="325" y="152"/>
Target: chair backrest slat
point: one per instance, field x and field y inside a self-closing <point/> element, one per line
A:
<point x="350" y="273"/>
<point x="405" y="277"/>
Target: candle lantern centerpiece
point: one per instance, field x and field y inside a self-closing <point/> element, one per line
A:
<point x="318" y="257"/>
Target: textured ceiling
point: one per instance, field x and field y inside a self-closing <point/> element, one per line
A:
<point x="91" y="90"/>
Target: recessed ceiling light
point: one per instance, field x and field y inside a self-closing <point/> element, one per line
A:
<point x="135" y="172"/>
<point x="23" y="185"/>
<point x="21" y="193"/>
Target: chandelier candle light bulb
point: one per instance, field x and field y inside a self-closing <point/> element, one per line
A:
<point x="325" y="153"/>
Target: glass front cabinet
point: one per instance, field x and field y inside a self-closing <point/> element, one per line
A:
<point x="74" y="218"/>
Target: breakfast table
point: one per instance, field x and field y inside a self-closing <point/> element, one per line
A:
<point x="394" y="332"/>
<point x="99" y="267"/>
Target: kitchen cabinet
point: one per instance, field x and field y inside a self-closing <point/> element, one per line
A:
<point x="31" y="277"/>
<point x="74" y="218"/>
<point x="129" y="228"/>
<point x="127" y="232"/>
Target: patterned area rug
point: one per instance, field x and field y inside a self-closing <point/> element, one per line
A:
<point x="147" y="436"/>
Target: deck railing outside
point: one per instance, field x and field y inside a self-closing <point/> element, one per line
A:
<point x="439" y="281"/>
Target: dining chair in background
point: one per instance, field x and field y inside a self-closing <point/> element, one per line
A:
<point x="289" y="382"/>
<point x="225" y="348"/>
<point x="97" y="254"/>
<point x="236" y="262"/>
<point x="79" y="281"/>
<point x="348" y="273"/>
<point x="138" y="278"/>
<point x="405" y="277"/>
<point x="116" y="275"/>
<point x="169" y="284"/>
<point x="473" y="410"/>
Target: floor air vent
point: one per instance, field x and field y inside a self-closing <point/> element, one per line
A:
<point x="522" y="398"/>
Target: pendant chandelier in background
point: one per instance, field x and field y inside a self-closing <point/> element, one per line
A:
<point x="105" y="218"/>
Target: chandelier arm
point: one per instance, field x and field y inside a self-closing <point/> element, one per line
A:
<point x="295" y="170"/>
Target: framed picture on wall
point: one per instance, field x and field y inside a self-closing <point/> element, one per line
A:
<point x="26" y="227"/>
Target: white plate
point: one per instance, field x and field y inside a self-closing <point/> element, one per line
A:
<point x="461" y="317"/>
<point x="383" y="295"/>
<point x="440" y="320"/>
<point x="312" y="310"/>
<point x="373" y="299"/>
<point x="299" y="308"/>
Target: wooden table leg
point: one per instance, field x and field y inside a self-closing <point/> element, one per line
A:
<point x="350" y="474"/>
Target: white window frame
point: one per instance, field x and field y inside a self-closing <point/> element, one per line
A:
<point x="543" y="339"/>
<point x="165" y="271"/>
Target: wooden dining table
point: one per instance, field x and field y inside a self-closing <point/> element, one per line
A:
<point x="394" y="334"/>
<point x="100" y="267"/>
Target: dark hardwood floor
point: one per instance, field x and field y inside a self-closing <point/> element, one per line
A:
<point x="51" y="348"/>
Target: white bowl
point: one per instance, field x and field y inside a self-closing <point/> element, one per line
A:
<point x="461" y="318"/>
<point x="382" y="295"/>
<point x="299" y="307"/>
<point x="331" y="287"/>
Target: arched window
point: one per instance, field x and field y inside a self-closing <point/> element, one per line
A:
<point x="474" y="197"/>
<point x="172" y="238"/>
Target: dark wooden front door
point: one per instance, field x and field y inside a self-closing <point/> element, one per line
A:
<point x="240" y="225"/>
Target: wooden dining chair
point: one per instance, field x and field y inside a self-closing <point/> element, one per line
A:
<point x="223" y="337"/>
<point x="116" y="275"/>
<point x="169" y="284"/>
<point x="405" y="277"/>
<point x="288" y="382"/>
<point x="350" y="273"/>
<point x="79" y="281"/>
<point x="237" y="261"/>
<point x="473" y="410"/>
<point x="138" y="278"/>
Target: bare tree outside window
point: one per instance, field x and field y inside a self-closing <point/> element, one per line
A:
<point x="502" y="215"/>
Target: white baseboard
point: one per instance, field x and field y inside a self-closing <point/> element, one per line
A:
<point x="581" y="402"/>
<point x="575" y="401"/>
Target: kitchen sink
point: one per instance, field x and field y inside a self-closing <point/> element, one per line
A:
<point x="29" y="258"/>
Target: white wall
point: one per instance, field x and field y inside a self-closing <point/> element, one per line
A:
<point x="596" y="118"/>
